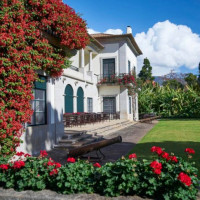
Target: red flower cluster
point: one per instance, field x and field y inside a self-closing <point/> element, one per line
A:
<point x="4" y="166"/>
<point x="184" y="178"/>
<point x="43" y="153"/>
<point x="53" y="172"/>
<point x="18" y="164"/>
<point x="70" y="159"/>
<point x="97" y="165"/>
<point x="156" y="167"/>
<point x="23" y="50"/>
<point x="133" y="155"/>
<point x="190" y="151"/>
<point x="157" y="150"/>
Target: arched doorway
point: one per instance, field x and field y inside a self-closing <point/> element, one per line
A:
<point x="69" y="108"/>
<point x="80" y="102"/>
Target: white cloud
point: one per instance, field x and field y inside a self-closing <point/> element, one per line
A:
<point x="114" y="31"/>
<point x="169" y="46"/>
<point x="109" y="31"/>
<point x="92" y="31"/>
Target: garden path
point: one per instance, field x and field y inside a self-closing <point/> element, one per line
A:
<point x="130" y="137"/>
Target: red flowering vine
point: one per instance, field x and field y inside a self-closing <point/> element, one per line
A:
<point x="24" y="29"/>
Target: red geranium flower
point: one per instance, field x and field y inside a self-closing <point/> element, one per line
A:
<point x="156" y="167"/>
<point x="70" y="159"/>
<point x="165" y="155"/>
<point x="174" y="159"/>
<point x="43" y="153"/>
<point x="190" y="151"/>
<point x="97" y="165"/>
<point x="54" y="171"/>
<point x="133" y="155"/>
<point x="18" y="164"/>
<point x="4" y="166"/>
<point x="184" y="178"/>
<point x="158" y="150"/>
<point x="58" y="165"/>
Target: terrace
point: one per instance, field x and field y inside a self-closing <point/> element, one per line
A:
<point x="117" y="79"/>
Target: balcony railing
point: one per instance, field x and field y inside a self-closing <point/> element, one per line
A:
<point x="117" y="79"/>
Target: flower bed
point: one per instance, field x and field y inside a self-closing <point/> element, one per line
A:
<point x="166" y="177"/>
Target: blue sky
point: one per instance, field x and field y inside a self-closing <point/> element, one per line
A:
<point x="143" y="16"/>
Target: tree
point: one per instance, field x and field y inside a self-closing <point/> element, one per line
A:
<point x="173" y="84"/>
<point x="191" y="80"/>
<point x="24" y="49"/>
<point x="146" y="71"/>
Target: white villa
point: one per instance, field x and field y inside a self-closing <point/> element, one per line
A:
<point x="81" y="89"/>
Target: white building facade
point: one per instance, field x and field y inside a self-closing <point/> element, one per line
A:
<point x="91" y="84"/>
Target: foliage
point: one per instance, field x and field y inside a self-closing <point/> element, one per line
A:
<point x="23" y="50"/>
<point x="173" y="84"/>
<point x="166" y="177"/>
<point x="191" y="80"/>
<point x="146" y="71"/>
<point x="169" y="102"/>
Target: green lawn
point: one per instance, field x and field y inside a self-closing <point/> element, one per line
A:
<point x="173" y="135"/>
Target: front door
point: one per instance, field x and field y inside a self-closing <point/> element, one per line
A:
<point x="109" y="104"/>
<point x="108" y="67"/>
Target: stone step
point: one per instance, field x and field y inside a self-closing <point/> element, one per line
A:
<point x="75" y="139"/>
<point x="69" y="134"/>
<point x="108" y="126"/>
<point x="112" y="128"/>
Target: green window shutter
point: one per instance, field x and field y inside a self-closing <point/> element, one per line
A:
<point x="80" y="102"/>
<point x="69" y="108"/>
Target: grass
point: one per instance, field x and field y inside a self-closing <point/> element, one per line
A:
<point x="173" y="135"/>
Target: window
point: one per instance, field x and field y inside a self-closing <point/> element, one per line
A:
<point x="130" y="107"/>
<point x="39" y="102"/>
<point x="89" y="105"/>
<point x="109" y="104"/>
<point x="129" y="67"/>
<point x="108" y="67"/>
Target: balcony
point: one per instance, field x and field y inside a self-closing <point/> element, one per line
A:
<point x="117" y="79"/>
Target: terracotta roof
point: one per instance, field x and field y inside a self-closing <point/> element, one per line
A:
<point x="129" y="35"/>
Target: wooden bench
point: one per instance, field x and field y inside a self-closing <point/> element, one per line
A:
<point x="149" y="119"/>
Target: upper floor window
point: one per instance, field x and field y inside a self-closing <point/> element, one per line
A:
<point x="108" y="67"/>
<point x="39" y="102"/>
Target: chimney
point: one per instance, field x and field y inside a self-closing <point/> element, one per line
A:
<point x="128" y="30"/>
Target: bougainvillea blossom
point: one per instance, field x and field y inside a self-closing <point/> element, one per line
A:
<point x="25" y="49"/>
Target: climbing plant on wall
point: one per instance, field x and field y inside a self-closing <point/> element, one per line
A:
<point x="24" y="49"/>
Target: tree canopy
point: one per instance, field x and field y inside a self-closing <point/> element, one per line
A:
<point x="146" y="71"/>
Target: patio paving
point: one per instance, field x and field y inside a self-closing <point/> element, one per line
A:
<point x="130" y="137"/>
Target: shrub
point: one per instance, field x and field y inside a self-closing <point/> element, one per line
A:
<point x="166" y="177"/>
